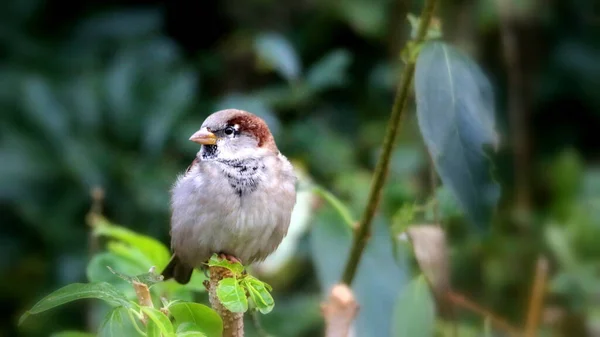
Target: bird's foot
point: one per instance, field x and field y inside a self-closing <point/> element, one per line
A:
<point x="230" y="258"/>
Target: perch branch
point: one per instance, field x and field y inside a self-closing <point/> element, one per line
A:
<point x="339" y="311"/>
<point x="233" y="323"/>
<point x="403" y="92"/>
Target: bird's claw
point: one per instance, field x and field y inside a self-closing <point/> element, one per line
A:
<point x="230" y="258"/>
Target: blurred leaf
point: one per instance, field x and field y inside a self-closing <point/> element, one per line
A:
<point x="148" y="279"/>
<point x="330" y="71"/>
<point x="101" y="290"/>
<point x="97" y="271"/>
<point x="44" y="109"/>
<point x="232" y="295"/>
<point x="172" y="102"/>
<point x="119" y="83"/>
<point x="558" y="241"/>
<point x="456" y="116"/>
<point x="72" y="334"/>
<point x="112" y="325"/>
<point x="152" y="329"/>
<point x="162" y="322"/>
<point x="236" y="268"/>
<point x="259" y="293"/>
<point x="275" y="51"/>
<point x="153" y="249"/>
<point x="123" y="24"/>
<point x="414" y="313"/>
<point x="190" y="330"/>
<point x="205" y="319"/>
<point x="367" y="17"/>
<point x="403" y="218"/>
<point x="337" y="204"/>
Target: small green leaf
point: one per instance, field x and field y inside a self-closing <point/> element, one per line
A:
<point x="276" y="52"/>
<point x="72" y="334"/>
<point x="330" y="71"/>
<point x="232" y="295"/>
<point x="403" y="218"/>
<point x="162" y="322"/>
<point x="153" y="249"/>
<point x="205" y="319"/>
<point x="235" y="268"/>
<point x="112" y="325"/>
<point x="259" y="293"/>
<point x="189" y="329"/>
<point x="101" y="290"/>
<point x="414" y="312"/>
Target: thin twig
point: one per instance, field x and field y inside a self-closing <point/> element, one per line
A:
<point x="339" y="311"/>
<point x="500" y="323"/>
<point x="536" y="301"/>
<point x="233" y="323"/>
<point x="402" y="94"/>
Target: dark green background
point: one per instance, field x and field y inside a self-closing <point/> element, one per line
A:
<point x="106" y="93"/>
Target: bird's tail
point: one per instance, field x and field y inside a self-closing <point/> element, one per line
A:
<point x="177" y="270"/>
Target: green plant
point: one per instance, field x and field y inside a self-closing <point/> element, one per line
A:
<point x="150" y="306"/>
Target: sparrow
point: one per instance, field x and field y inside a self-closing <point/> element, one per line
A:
<point x="235" y="199"/>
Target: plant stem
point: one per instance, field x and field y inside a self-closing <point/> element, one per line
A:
<point x="233" y="323"/>
<point x="363" y="232"/>
<point x="536" y="301"/>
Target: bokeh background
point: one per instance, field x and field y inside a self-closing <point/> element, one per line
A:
<point x="106" y="93"/>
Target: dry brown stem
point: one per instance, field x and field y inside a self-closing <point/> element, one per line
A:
<point x="233" y="323"/>
<point x="498" y="322"/>
<point x="143" y="294"/>
<point x="536" y="301"/>
<point x="339" y="311"/>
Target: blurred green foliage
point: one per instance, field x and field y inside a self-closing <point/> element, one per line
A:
<point x="107" y="93"/>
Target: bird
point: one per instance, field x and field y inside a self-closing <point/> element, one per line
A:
<point x="235" y="199"/>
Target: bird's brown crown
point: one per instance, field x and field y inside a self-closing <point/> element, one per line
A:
<point x="252" y="124"/>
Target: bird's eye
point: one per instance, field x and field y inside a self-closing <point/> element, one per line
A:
<point x="229" y="130"/>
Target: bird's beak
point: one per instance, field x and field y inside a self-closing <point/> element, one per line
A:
<point x="203" y="136"/>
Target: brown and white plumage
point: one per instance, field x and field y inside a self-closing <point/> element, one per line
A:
<point x="236" y="198"/>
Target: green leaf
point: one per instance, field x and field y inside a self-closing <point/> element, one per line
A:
<point x="455" y="110"/>
<point x="190" y="330"/>
<point x="205" y="319"/>
<point x="232" y="295"/>
<point x="275" y="51"/>
<point x="112" y="325"/>
<point x="76" y="291"/>
<point x="259" y="293"/>
<point x="153" y="249"/>
<point x="330" y="71"/>
<point x="162" y="322"/>
<point x="72" y="334"/>
<point x="414" y="312"/>
<point x="235" y="268"/>
<point x="152" y="329"/>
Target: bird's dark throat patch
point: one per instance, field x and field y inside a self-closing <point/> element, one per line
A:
<point x="243" y="175"/>
<point x="209" y="152"/>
